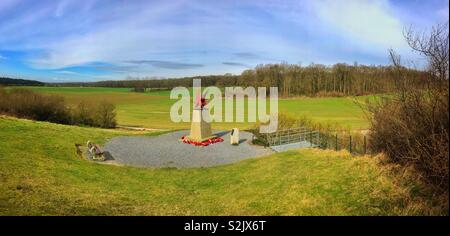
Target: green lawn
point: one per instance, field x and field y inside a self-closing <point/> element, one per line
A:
<point x="40" y="174"/>
<point x="152" y="109"/>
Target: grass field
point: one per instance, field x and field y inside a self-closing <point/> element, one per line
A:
<point x="41" y="174"/>
<point x="152" y="109"/>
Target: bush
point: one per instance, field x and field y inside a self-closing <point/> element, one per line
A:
<point x="2" y="98"/>
<point x="412" y="129"/>
<point x="24" y="103"/>
<point x="27" y="104"/>
<point x="105" y="115"/>
<point x="138" y="89"/>
<point x="83" y="115"/>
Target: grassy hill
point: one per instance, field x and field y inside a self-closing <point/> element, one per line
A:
<point x="40" y="174"/>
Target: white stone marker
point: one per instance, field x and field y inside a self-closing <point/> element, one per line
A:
<point x="234" y="136"/>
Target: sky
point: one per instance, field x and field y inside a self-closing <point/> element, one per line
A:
<point x="92" y="40"/>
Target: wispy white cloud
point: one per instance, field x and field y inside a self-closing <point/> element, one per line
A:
<point x="68" y="72"/>
<point x="368" y="21"/>
<point x="231" y="63"/>
<point x="131" y="36"/>
<point x="180" y="38"/>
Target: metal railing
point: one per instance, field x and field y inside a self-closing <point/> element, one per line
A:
<point x="295" y="135"/>
<point x="354" y="143"/>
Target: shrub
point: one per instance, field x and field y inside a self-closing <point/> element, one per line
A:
<point x="27" y="104"/>
<point x="413" y="130"/>
<point x="412" y="127"/>
<point x="83" y="115"/>
<point x="24" y="103"/>
<point x="138" y="89"/>
<point x="2" y="99"/>
<point x="105" y="115"/>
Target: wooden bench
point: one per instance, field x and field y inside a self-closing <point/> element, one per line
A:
<point x="95" y="152"/>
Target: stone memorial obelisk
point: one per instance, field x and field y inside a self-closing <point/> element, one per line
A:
<point x="200" y="129"/>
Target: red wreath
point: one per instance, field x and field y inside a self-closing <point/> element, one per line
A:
<point x="204" y="143"/>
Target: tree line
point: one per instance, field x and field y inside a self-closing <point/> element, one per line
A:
<point x="11" y="81"/>
<point x="291" y="79"/>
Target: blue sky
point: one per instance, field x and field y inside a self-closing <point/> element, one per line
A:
<point x="91" y="40"/>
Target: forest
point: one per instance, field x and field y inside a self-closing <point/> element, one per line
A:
<point x="292" y="80"/>
<point x="11" y="81"/>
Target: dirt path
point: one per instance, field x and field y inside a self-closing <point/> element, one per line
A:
<point x="138" y="128"/>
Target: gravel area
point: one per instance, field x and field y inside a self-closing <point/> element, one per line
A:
<point x="168" y="151"/>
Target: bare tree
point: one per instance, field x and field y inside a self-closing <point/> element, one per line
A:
<point x="412" y="127"/>
<point x="399" y="71"/>
<point x="434" y="46"/>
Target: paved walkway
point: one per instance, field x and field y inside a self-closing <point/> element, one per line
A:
<point x="292" y="146"/>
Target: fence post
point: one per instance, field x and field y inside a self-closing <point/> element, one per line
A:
<point x="289" y="136"/>
<point x="350" y="144"/>
<point x="336" y="142"/>
<point x="318" y="140"/>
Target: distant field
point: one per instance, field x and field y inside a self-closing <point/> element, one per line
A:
<point x="46" y="177"/>
<point x="152" y="109"/>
